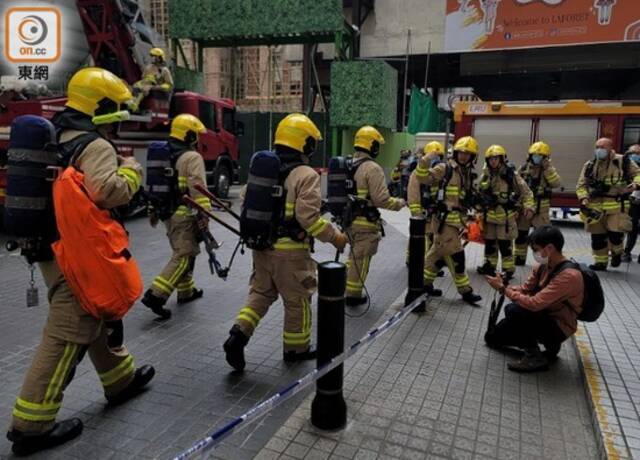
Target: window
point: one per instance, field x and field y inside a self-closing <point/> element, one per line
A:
<point x="229" y="119"/>
<point x="207" y="114"/>
<point x="631" y="133"/>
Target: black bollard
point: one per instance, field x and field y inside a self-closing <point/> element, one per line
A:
<point x="417" y="227"/>
<point x="329" y="409"/>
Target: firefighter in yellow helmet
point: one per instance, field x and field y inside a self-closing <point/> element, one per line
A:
<point x="94" y="99"/>
<point x="182" y="223"/>
<point x="286" y="268"/>
<point x="421" y="198"/>
<point x="504" y="195"/>
<point x="372" y="193"/>
<point x="541" y="177"/>
<point x="156" y="76"/>
<point x="603" y="187"/>
<point x="454" y="179"/>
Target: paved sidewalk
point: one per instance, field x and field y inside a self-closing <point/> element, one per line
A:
<point x="610" y="355"/>
<point x="194" y="390"/>
<point x="431" y="389"/>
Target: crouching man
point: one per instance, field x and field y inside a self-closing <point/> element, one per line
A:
<point x="544" y="309"/>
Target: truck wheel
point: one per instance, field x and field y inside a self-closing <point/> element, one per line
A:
<point x="222" y="181"/>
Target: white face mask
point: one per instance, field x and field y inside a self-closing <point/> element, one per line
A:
<point x="601" y="154"/>
<point x="538" y="257"/>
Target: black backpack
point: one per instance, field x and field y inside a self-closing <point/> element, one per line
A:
<point x="342" y="194"/>
<point x="593" y="302"/>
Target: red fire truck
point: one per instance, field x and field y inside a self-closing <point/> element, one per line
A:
<point x="570" y="128"/>
<point x="115" y="44"/>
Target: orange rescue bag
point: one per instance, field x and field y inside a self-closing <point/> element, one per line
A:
<point x="92" y="251"/>
<point x="475" y="231"/>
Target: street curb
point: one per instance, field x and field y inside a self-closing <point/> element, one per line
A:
<point x="605" y="421"/>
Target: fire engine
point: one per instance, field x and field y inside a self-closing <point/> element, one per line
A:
<point x="113" y="32"/>
<point x="570" y="128"/>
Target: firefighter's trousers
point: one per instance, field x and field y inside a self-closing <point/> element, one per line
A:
<point x="607" y="235"/>
<point x="69" y="333"/>
<point x="500" y="236"/>
<point x="447" y="250"/>
<point x="524" y="225"/>
<point x="182" y="232"/>
<point x="364" y="245"/>
<point x="292" y="275"/>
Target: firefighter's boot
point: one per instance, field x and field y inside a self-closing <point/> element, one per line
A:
<point x="598" y="267"/>
<point x="196" y="294"/>
<point x="355" y="301"/>
<point x="27" y="444"/>
<point x="234" y="348"/>
<point x="156" y="304"/>
<point x="616" y="260"/>
<point x="142" y="376"/>
<point x="487" y="269"/>
<point x="471" y="297"/>
<point x="429" y="289"/>
<point x="293" y="356"/>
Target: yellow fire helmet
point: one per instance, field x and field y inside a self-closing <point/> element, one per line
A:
<point x="95" y="91"/>
<point x="186" y="127"/>
<point x="540" y="148"/>
<point x="433" y="147"/>
<point x="495" y="150"/>
<point x="298" y="132"/>
<point x="157" y="52"/>
<point x="368" y="138"/>
<point x="466" y="144"/>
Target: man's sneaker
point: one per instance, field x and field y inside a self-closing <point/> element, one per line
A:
<point x="429" y="289"/>
<point x="598" y="267"/>
<point x="487" y="269"/>
<point x="471" y="297"/>
<point x="626" y="258"/>
<point x="355" y="301"/>
<point x="27" y="444"/>
<point x="616" y="260"/>
<point x="156" y="304"/>
<point x="520" y="261"/>
<point x="142" y="376"/>
<point x="532" y="361"/>
<point x="234" y="348"/>
<point x="293" y="357"/>
<point x="195" y="294"/>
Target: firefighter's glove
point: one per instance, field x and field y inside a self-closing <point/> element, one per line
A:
<point x="130" y="162"/>
<point x="340" y="241"/>
<point x="528" y="214"/>
<point x="203" y="224"/>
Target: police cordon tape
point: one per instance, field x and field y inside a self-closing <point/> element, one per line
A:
<point x="211" y="441"/>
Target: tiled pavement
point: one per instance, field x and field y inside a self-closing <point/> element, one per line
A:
<point x="193" y="390"/>
<point x="431" y="389"/>
<point x="427" y="389"/>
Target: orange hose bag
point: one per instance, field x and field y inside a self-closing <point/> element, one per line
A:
<point x="92" y="251"/>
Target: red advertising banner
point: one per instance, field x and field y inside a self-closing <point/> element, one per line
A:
<point x="477" y="25"/>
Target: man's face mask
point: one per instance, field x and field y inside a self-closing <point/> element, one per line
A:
<point x="601" y="153"/>
<point x="536" y="158"/>
<point x="539" y="257"/>
<point x="635" y="157"/>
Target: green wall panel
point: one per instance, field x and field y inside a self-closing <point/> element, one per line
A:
<point x="188" y="79"/>
<point x="363" y="93"/>
<point x="240" y="20"/>
<point x="389" y="155"/>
